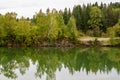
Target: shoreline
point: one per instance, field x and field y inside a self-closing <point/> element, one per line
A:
<point x="82" y="42"/>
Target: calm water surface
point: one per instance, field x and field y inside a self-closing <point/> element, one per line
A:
<point x="60" y="64"/>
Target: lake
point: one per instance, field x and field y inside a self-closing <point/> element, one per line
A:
<point x="60" y="63"/>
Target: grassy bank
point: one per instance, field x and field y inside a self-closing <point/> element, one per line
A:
<point x="98" y="41"/>
<point x="81" y="42"/>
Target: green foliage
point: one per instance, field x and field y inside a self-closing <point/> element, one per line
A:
<point x="95" y="20"/>
<point x="60" y="26"/>
<point x="115" y="41"/>
<point x="73" y="33"/>
<point x="2" y="29"/>
<point x="85" y="17"/>
<point x="42" y="21"/>
<point x="22" y="32"/>
<point x="54" y="26"/>
<point x="77" y="13"/>
<point x="112" y="14"/>
<point x="94" y="42"/>
<point x="114" y="31"/>
<point x="109" y="16"/>
<point x="103" y="27"/>
<point x="66" y="15"/>
<point x="51" y="26"/>
<point x="110" y="32"/>
<point x="9" y="24"/>
<point x="49" y="60"/>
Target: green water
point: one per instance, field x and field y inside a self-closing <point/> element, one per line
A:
<point x="59" y="63"/>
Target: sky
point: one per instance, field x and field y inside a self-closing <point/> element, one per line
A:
<point x="28" y="8"/>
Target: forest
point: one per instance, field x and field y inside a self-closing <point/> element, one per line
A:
<point x="60" y="27"/>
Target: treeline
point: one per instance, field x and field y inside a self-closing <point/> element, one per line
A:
<point x="60" y="26"/>
<point x="94" y="19"/>
<point x="42" y="30"/>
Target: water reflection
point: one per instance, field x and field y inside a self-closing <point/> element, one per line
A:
<point x="50" y="62"/>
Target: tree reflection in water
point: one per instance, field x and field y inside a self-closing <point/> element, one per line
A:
<point x="49" y="60"/>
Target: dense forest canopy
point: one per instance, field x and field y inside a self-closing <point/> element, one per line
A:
<point x="87" y="20"/>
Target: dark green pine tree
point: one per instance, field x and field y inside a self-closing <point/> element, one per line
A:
<point x="116" y="5"/>
<point x="85" y="17"/>
<point x="69" y="14"/>
<point x="65" y="16"/>
<point x="103" y="8"/>
<point x="77" y="13"/>
<point x="96" y="4"/>
<point x="110" y="17"/>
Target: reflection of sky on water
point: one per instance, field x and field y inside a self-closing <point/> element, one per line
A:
<point x="64" y="74"/>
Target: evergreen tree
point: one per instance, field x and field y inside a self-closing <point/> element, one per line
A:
<point x="85" y="17"/>
<point x="69" y="14"/>
<point x="48" y="11"/>
<point x="77" y="13"/>
<point x="65" y="16"/>
<point x="103" y="27"/>
<point x="110" y="16"/>
<point x="54" y="25"/>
